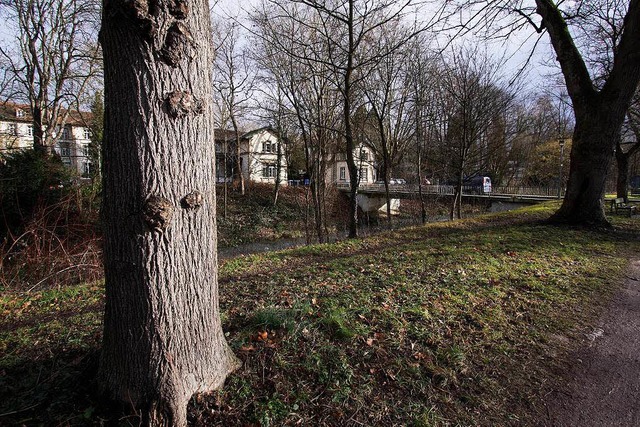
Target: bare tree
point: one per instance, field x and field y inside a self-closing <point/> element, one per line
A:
<point x="426" y="111"/>
<point x="473" y="96"/>
<point x="627" y="147"/>
<point x="163" y="339"/>
<point x="307" y="92"/>
<point x="234" y="83"/>
<point x="387" y="91"/>
<point x="278" y="116"/>
<point x="53" y="61"/>
<point x="339" y="31"/>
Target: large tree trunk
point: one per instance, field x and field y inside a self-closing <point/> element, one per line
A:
<point x="39" y="143"/>
<point x="599" y="113"/>
<point x="622" y="161"/>
<point x="163" y="339"/>
<point x="591" y="153"/>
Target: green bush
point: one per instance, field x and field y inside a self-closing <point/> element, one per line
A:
<point x="28" y="180"/>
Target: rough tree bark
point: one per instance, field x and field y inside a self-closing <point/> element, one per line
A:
<point x="163" y="339"/>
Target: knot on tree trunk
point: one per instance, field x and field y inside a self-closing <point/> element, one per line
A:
<point x="192" y="200"/>
<point x="180" y="104"/>
<point x="157" y="213"/>
<point x="176" y="44"/>
<point x="179" y="9"/>
<point x="140" y="11"/>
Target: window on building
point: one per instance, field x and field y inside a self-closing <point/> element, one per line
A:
<point x="87" y="133"/>
<point x="364" y="155"/>
<point x="86" y="151"/>
<point x="86" y="169"/>
<point x="364" y="174"/>
<point x="343" y="173"/>
<point x="30" y="130"/>
<point x="269" y="171"/>
<point x="65" y="151"/>
<point x="269" y="147"/>
<point x="12" y="128"/>
<point x="19" y="113"/>
<point x="66" y="133"/>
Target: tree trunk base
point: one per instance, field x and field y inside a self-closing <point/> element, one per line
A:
<point x="567" y="216"/>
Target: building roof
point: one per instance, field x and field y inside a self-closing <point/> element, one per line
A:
<point x="225" y="134"/>
<point x="269" y="129"/>
<point x="230" y="135"/>
<point x="9" y="112"/>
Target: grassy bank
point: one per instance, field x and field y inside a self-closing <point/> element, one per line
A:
<point x="465" y="323"/>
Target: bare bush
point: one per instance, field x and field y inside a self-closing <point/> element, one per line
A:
<point x="59" y="244"/>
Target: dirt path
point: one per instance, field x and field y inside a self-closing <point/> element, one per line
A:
<point x="604" y="389"/>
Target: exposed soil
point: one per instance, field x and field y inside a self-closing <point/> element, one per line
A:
<point x="604" y="386"/>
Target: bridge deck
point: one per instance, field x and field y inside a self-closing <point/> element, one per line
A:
<point x="409" y="191"/>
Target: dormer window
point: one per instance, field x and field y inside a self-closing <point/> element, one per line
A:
<point x="269" y="147"/>
<point x="19" y="113"/>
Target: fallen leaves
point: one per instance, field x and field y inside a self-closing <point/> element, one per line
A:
<point x="262" y="339"/>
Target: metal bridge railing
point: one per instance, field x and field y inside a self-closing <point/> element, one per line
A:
<point x="448" y="190"/>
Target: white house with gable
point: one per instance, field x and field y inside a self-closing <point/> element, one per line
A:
<point x="72" y="143"/>
<point x="338" y="172"/>
<point x="258" y="155"/>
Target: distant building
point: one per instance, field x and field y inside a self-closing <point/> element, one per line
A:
<point x="338" y="172"/>
<point x="72" y="139"/>
<point x="258" y="155"/>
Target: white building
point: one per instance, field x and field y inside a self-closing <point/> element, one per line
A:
<point x="72" y="142"/>
<point x="258" y="155"/>
<point x="338" y="172"/>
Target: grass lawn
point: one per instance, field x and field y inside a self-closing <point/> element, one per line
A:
<point x="462" y="323"/>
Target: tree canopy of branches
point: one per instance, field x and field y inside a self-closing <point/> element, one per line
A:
<point x="337" y="45"/>
<point x="473" y="99"/>
<point x="52" y="62"/>
<point x="387" y="95"/>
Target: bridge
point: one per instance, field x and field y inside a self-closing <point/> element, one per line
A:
<point x="372" y="196"/>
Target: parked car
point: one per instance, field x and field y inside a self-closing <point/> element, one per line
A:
<point x="392" y="181"/>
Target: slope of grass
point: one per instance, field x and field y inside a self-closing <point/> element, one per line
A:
<point x="253" y="217"/>
<point x="465" y="323"/>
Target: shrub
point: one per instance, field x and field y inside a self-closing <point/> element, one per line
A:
<point x="29" y="180"/>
